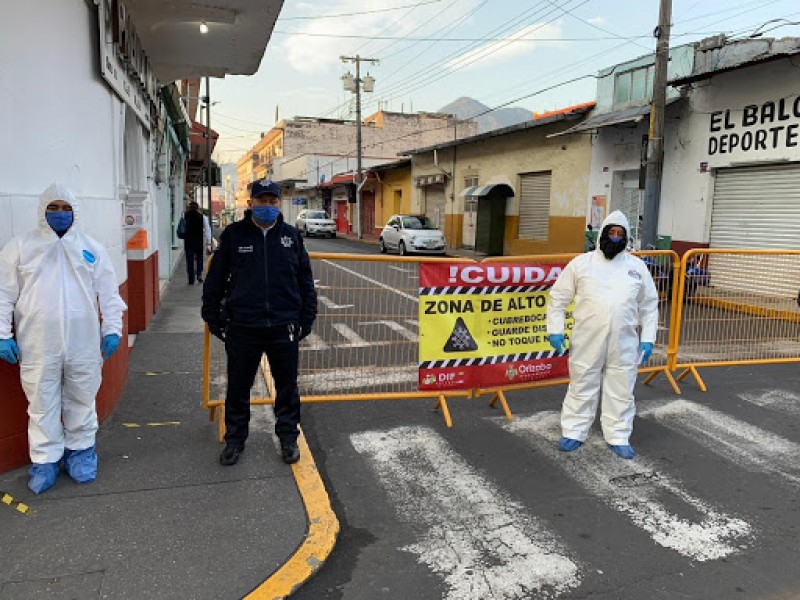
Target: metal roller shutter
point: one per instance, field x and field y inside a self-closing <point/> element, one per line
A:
<point x="534" y="206"/>
<point x="756" y="207"/>
<point x="435" y="202"/>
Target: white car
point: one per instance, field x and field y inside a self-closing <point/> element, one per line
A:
<point x="412" y="233"/>
<point x="313" y="221"/>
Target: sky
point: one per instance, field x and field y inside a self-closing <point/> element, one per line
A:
<point x="523" y="53"/>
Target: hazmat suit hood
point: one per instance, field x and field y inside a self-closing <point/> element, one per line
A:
<point x="604" y="247"/>
<point x="57" y="191"/>
<point x="616" y="218"/>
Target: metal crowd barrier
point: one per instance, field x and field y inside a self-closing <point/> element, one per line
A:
<point x="738" y="307"/>
<point x="365" y="341"/>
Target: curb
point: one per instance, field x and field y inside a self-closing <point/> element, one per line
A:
<point x="323" y="529"/>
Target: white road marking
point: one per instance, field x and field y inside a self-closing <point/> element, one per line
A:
<point x="372" y="281"/>
<point x="636" y="489"/>
<point x="328" y="303"/>
<point x="313" y="342"/>
<point x="331" y="380"/>
<point x="353" y="339"/>
<point x="412" y="322"/>
<point x="483" y="543"/>
<point x="321" y="287"/>
<point x="402" y="269"/>
<point x="406" y="333"/>
<point x="746" y="445"/>
<point x="778" y="400"/>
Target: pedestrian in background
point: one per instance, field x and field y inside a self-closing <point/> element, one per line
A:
<point x="55" y="284"/>
<point x="589" y="239"/>
<point x="614" y="296"/>
<point x="259" y="298"/>
<point x="196" y="235"/>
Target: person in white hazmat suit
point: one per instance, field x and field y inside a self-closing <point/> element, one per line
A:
<point x="614" y="297"/>
<point x="52" y="282"/>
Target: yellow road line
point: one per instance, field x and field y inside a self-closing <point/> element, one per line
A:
<point x="323" y="527"/>
<point x="20" y="507"/>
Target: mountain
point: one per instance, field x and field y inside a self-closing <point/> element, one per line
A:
<point x="466" y="107"/>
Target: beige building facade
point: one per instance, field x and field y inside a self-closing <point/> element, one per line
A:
<point x="548" y="177"/>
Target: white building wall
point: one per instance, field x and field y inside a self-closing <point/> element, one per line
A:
<point x="689" y="189"/>
<point x="59" y="121"/>
<point x="691" y="158"/>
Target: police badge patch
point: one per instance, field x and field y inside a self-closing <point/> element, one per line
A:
<point x="287" y="241"/>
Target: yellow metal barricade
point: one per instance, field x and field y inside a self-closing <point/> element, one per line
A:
<point x="737" y="307"/>
<point x="365" y="341"/>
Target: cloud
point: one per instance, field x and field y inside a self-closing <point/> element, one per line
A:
<point x="509" y="47"/>
<point x="309" y="54"/>
<point x="599" y="21"/>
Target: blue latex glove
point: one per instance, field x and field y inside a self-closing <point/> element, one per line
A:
<point x="110" y="345"/>
<point x="9" y="351"/>
<point x="646" y="348"/>
<point x="558" y="343"/>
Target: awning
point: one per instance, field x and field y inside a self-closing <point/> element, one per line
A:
<point x="626" y="115"/>
<point x="495" y="189"/>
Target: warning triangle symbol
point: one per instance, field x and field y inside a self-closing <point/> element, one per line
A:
<point x="461" y="339"/>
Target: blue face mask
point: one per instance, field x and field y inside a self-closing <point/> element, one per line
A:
<point x="59" y="221"/>
<point x="266" y="214"/>
<point x="616" y="240"/>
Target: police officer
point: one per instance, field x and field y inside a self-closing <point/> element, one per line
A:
<point x="259" y="298"/>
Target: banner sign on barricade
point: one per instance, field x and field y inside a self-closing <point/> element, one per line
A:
<point x="486" y="325"/>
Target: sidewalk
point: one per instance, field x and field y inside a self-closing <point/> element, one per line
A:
<point x="163" y="519"/>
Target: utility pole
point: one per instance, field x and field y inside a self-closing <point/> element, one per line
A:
<point x="369" y="83"/>
<point x="208" y="143"/>
<point x="655" y="141"/>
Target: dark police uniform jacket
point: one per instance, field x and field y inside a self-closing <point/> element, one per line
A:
<point x="260" y="280"/>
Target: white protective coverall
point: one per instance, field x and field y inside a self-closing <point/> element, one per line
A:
<point x="612" y="298"/>
<point x="53" y="287"/>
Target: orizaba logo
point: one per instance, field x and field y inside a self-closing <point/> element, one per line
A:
<point x="89" y="257"/>
<point x="287" y="241"/>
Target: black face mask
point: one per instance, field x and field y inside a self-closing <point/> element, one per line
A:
<point x="609" y="248"/>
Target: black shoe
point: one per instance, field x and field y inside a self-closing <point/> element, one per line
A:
<point x="290" y="451"/>
<point x="199" y="280"/>
<point x="230" y="455"/>
<point x="190" y="283"/>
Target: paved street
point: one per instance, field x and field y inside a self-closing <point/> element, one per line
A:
<point x="490" y="509"/>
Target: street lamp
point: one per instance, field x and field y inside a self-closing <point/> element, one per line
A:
<point x="354" y="85"/>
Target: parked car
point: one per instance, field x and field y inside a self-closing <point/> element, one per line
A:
<point x="313" y="221"/>
<point x="412" y="233"/>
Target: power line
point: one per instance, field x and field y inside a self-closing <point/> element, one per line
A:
<point x="590" y="24"/>
<point x="526" y="15"/>
<point x="353" y="14"/>
<point x="439" y="39"/>
<point x="482" y="53"/>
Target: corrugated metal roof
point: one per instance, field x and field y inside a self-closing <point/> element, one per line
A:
<point x="717" y="55"/>
<point x="633" y="113"/>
